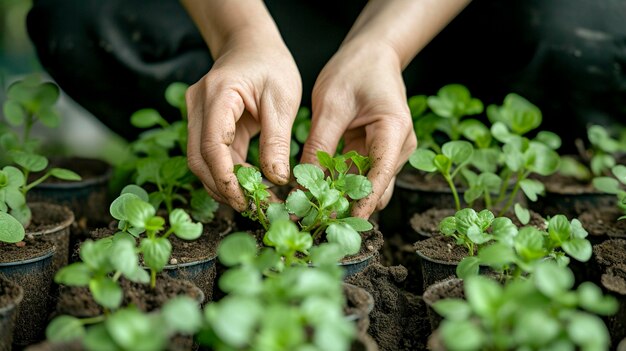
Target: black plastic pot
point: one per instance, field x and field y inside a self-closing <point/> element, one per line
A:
<point x="361" y="303"/>
<point x="56" y="231"/>
<point x="88" y="198"/>
<point x="8" y="312"/>
<point x="434" y="270"/>
<point x="448" y="288"/>
<point x="357" y="263"/>
<point x="34" y="275"/>
<point x="202" y="273"/>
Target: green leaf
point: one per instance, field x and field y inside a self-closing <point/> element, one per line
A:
<point x="552" y="280"/>
<point x="536" y="327"/>
<point x="462" y="335"/>
<point x="64" y="174"/>
<point x="11" y="230"/>
<point x="357" y="186"/>
<point x="182" y="314"/>
<point x="240" y="281"/>
<point x="523" y="214"/>
<point x="476" y="235"/>
<point x="607" y="184"/>
<point x="146" y="118"/>
<point x="448" y="226"/>
<point x="550" y="139"/>
<point x="541" y="159"/>
<point x="358" y="224"/>
<point x="483" y="294"/>
<point x="459" y="152"/>
<point x="126" y="259"/>
<point x="95" y="254"/>
<point x="529" y="243"/>
<point x="443" y="164"/>
<point x="277" y="212"/>
<point x="285" y="236"/>
<point x="13" y="112"/>
<point x="49" y="117"/>
<point x="106" y="292"/>
<point x="31" y="162"/>
<point x="175" y="94"/>
<point x="579" y="249"/>
<point x="182" y="225"/>
<point x="308" y="175"/>
<point x="601" y="162"/>
<point x="559" y="229"/>
<point x="138" y="212"/>
<point x="417" y="105"/>
<point x="298" y="203"/>
<point x="156" y="252"/>
<point x="135" y="190"/>
<point x="98" y="339"/>
<point x="234" y="319"/>
<point x="590" y="297"/>
<point x="570" y="167"/>
<point x="362" y="163"/>
<point x="468" y="267"/>
<point x="496" y="255"/>
<point x="174" y="169"/>
<point x="453" y="309"/>
<point x="75" y="274"/>
<point x="577" y="229"/>
<point x="237" y="248"/>
<point x="619" y="172"/>
<point x="346" y="237"/>
<point x="65" y="328"/>
<point x="503" y="230"/>
<point x="588" y="331"/>
<point x="133" y="330"/>
<point x="325" y="160"/>
<point x="532" y="188"/>
<point x="117" y="208"/>
<point x="203" y="206"/>
<point x="329" y="198"/>
<point x="423" y="160"/>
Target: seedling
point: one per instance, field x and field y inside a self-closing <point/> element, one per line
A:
<point x="129" y="329"/>
<point x="614" y="186"/>
<point x="29" y="101"/>
<point x="470" y="228"/>
<point x="136" y="216"/>
<point x="325" y="203"/>
<point x="299" y="308"/>
<point x="539" y="313"/>
<point x="517" y="251"/>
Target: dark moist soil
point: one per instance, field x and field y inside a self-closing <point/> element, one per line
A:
<point x="441" y="248"/>
<point x="35" y="307"/>
<point x="602" y="222"/>
<point x="399" y="250"/>
<point x="52" y="222"/>
<point x="78" y="302"/>
<point x="609" y="253"/>
<point x="426" y="223"/>
<point x="359" y="304"/>
<point x="398" y="321"/>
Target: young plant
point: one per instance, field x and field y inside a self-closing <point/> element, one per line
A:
<point x="614" y="186"/>
<point x="539" y="313"/>
<point x="472" y="229"/>
<point x="516" y="251"/>
<point x="29" y="101"/>
<point x="137" y="216"/>
<point x="299" y="308"/>
<point x="452" y="103"/>
<point x="259" y="208"/>
<point x="325" y="203"/>
<point x="129" y="329"/>
<point x="454" y="156"/>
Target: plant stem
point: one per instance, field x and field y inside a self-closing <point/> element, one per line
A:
<point x="260" y="214"/>
<point x="512" y="195"/>
<point x="152" y="278"/>
<point x="318" y="232"/>
<point x="93" y="320"/>
<point x="27" y="127"/>
<point x="457" y="202"/>
<point x="26" y="188"/>
<point x="117" y="276"/>
<point x="503" y="187"/>
<point x="168" y="233"/>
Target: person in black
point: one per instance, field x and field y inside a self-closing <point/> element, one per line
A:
<point x="353" y="61"/>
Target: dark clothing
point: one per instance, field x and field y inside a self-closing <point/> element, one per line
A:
<point x="567" y="56"/>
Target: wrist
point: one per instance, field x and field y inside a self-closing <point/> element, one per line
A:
<point x="358" y="51"/>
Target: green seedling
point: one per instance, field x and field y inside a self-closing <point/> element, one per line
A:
<point x="299" y="308"/>
<point x="28" y="101"/>
<point x="137" y="216"/>
<point x="325" y="203"/>
<point x="452" y="103"/>
<point x="129" y="329"/>
<point x="539" y="313"/>
<point x="615" y="186"/>
<point x="517" y="251"/>
<point x="259" y="208"/>
<point x="472" y="229"/>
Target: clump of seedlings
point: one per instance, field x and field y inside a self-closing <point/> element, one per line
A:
<point x="615" y="186"/>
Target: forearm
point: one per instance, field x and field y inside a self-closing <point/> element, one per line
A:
<point x="405" y="26"/>
<point x="223" y="23"/>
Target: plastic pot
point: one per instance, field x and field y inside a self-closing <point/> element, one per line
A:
<point x="360" y="304"/>
<point x="8" y="311"/>
<point x="202" y="273"/>
<point x="448" y="288"/>
<point x="54" y="223"/>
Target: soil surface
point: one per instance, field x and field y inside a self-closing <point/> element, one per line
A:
<point x="609" y="253"/>
<point x="417" y="180"/>
<point x="398" y="321"/>
<point x="602" y="222"/>
<point x="30" y="247"/>
<point x="78" y="302"/>
<point x="441" y="248"/>
<point x="52" y="222"/>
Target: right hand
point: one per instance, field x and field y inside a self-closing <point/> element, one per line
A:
<point x="252" y="87"/>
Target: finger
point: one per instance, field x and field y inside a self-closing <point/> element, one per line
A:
<point x="331" y="117"/>
<point x="218" y="132"/>
<point x="386" y="197"/>
<point x="385" y="140"/>
<point x="277" y="113"/>
<point x="247" y="127"/>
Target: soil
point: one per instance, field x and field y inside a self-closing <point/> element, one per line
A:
<point x="560" y="184"/>
<point x="441" y="248"/>
<point x="609" y="253"/>
<point x="398" y="321"/>
<point x="52" y="222"/>
<point x="614" y="280"/>
<point x="78" y="302"/>
<point x="36" y="281"/>
<point x="63" y="346"/>
<point x="449" y="288"/>
<point x="398" y="250"/>
<point x="412" y="179"/>
<point x="359" y="304"/>
<point x="602" y="222"/>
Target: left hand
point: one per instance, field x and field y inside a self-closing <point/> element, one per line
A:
<point x="361" y="96"/>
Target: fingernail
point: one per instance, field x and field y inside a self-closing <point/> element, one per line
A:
<point x="281" y="171"/>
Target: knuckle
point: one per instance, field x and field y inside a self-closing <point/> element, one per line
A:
<point x="195" y="163"/>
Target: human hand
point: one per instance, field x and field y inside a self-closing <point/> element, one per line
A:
<point x="253" y="86"/>
<point x="362" y="97"/>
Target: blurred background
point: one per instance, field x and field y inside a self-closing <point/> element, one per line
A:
<point x="80" y="133"/>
